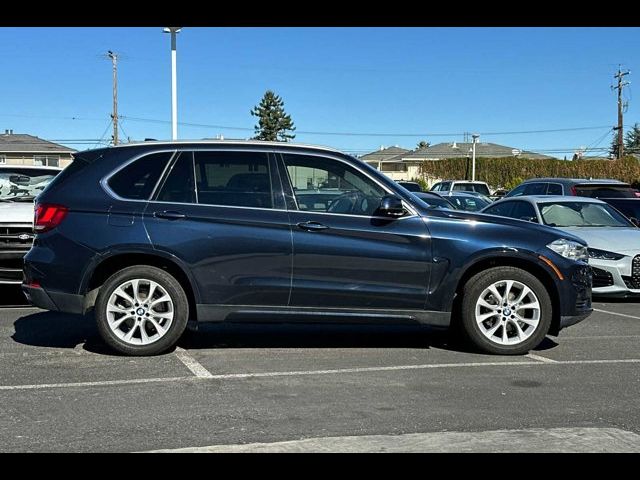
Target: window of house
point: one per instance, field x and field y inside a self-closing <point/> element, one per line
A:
<point x="46" y="160"/>
<point x="3" y="159"/>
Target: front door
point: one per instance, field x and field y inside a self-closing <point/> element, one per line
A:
<point x="344" y="255"/>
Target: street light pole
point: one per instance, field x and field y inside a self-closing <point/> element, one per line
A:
<point x="475" y="137"/>
<point x="174" y="88"/>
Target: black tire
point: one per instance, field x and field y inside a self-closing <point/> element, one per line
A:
<point x="471" y="293"/>
<point x="172" y="288"/>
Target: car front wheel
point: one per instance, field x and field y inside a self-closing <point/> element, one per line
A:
<point x="505" y="310"/>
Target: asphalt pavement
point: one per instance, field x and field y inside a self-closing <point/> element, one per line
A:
<point x="317" y="388"/>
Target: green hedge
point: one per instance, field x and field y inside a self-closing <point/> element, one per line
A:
<point x="508" y="172"/>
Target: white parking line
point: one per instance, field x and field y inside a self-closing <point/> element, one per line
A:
<point x="93" y="384"/>
<point x="615" y="313"/>
<point x="224" y="376"/>
<point x="541" y="359"/>
<point x="192" y="364"/>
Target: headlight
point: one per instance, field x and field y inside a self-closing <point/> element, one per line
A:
<point x="604" y="255"/>
<point x="569" y="249"/>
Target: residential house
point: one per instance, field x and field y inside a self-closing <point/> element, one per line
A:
<point x="23" y="149"/>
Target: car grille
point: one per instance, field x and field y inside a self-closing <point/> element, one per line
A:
<point x="634" y="280"/>
<point x="16" y="237"/>
<point x="601" y="278"/>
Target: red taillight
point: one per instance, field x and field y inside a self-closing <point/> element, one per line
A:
<point x="48" y="216"/>
<point x="637" y="194"/>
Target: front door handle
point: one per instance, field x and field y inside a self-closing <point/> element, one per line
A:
<point x="312" y="226"/>
<point x="170" y="215"/>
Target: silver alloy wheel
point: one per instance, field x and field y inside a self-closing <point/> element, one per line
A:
<point x="508" y="312"/>
<point x="140" y="311"/>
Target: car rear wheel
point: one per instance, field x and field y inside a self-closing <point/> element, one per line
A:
<point x="505" y="310"/>
<point x="141" y="310"/>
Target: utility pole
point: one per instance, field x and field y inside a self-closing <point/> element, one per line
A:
<point x="174" y="89"/>
<point x="621" y="84"/>
<point x="114" y="116"/>
<point x="475" y="137"/>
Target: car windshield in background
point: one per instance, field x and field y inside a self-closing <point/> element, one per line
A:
<point x="23" y="184"/>
<point x="581" y="214"/>
<point x="605" y="191"/>
<point x="471" y="187"/>
<point x="434" y="202"/>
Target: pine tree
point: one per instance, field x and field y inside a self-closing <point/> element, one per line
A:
<point x="632" y="140"/>
<point x="273" y="122"/>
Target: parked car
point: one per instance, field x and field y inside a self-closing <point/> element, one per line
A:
<point x="411" y="186"/>
<point x="593" y="188"/>
<point x="19" y="185"/>
<point x="629" y="207"/>
<point x="469" y="201"/>
<point x="434" y="200"/>
<point x="149" y="236"/>
<point x="461" y="186"/>
<point x="614" y="242"/>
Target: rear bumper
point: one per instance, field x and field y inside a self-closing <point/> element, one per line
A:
<point x="56" y="301"/>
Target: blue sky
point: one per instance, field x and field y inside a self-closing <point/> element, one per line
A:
<point x="350" y="80"/>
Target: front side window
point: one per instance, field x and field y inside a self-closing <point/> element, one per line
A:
<point x="502" y="209"/>
<point x="238" y="179"/>
<point x="46" y="160"/>
<point x="326" y="185"/>
<point x="137" y="180"/>
<point x="524" y="211"/>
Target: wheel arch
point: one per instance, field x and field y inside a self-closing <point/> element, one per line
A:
<point x="115" y="262"/>
<point x="525" y="264"/>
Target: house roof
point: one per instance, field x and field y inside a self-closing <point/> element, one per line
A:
<point x="384" y="154"/>
<point x="23" y="143"/>
<point x="453" y="150"/>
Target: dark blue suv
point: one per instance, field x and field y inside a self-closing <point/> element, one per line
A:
<point x="150" y="236"/>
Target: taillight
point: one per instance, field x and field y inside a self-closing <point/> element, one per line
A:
<point x="573" y="191"/>
<point x="637" y="194"/>
<point x="48" y="216"/>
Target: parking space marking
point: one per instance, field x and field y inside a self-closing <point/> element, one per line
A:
<point x="93" y="384"/>
<point x="541" y="359"/>
<point x="192" y="364"/>
<point x="225" y="376"/>
<point x="572" y="439"/>
<point x="615" y="313"/>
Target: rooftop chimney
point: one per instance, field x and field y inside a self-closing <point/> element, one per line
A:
<point x="7" y="131"/>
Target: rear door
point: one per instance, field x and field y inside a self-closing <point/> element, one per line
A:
<point x="344" y="256"/>
<point x="219" y="212"/>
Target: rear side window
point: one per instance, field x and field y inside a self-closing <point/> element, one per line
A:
<point x="238" y="179"/>
<point x="605" y="191"/>
<point x="179" y="187"/>
<point x="554" y="189"/>
<point x="137" y="180"/>
<point x="535" y="189"/>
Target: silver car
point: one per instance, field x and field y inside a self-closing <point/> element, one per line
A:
<point x="614" y="241"/>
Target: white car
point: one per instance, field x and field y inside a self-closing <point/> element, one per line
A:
<point x="614" y="241"/>
<point x="19" y="185"/>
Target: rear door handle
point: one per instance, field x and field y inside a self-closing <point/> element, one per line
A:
<point x="170" y="215"/>
<point x="312" y="226"/>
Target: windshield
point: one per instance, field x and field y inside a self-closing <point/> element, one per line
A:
<point x="581" y="214"/>
<point x="471" y="187"/>
<point x="433" y="201"/>
<point x="23" y="184"/>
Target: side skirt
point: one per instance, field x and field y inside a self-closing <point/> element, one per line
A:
<point x="266" y="314"/>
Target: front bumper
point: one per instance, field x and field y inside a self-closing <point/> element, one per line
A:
<point x="616" y="278"/>
<point x="11" y="266"/>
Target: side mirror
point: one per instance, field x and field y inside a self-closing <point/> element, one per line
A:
<point x="391" y="206"/>
<point x="529" y="219"/>
<point x="635" y="221"/>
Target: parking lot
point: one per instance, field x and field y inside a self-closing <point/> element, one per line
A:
<point x="290" y="388"/>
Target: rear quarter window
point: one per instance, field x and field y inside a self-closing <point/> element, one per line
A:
<point x="137" y="180"/>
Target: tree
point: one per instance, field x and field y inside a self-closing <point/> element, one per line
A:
<point x="273" y="122"/>
<point x="423" y="144"/>
<point x="613" y="150"/>
<point x="632" y="140"/>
